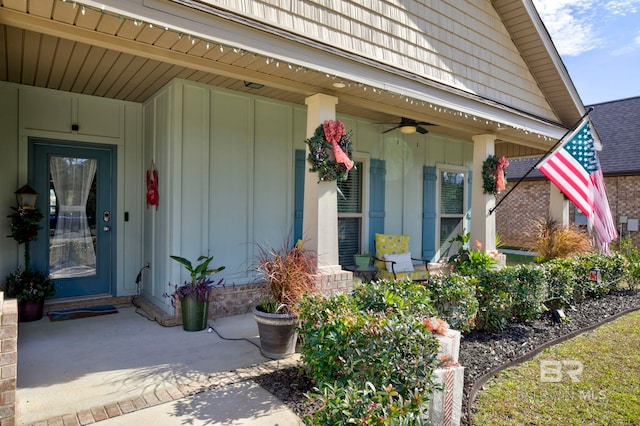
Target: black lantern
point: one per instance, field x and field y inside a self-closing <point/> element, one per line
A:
<point x="26" y="197"/>
<point x="594" y="276"/>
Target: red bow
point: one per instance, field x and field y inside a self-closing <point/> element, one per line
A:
<point x="333" y="132"/>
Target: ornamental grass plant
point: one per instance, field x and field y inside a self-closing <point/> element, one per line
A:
<point x="556" y="241"/>
<point x="289" y="272"/>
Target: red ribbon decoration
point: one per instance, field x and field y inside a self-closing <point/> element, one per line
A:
<point x="503" y="163"/>
<point x="152" y="187"/>
<point x="333" y="132"/>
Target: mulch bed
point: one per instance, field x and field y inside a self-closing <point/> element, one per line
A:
<point x="479" y="351"/>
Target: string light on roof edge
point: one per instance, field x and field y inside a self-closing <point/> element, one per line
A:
<point x="349" y="83"/>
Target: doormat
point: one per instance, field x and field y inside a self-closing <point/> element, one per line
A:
<point x="69" y="314"/>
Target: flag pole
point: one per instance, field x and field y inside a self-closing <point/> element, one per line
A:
<point x="491" y="210"/>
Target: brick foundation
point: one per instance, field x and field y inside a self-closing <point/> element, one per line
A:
<point x="8" y="360"/>
<point x="240" y="299"/>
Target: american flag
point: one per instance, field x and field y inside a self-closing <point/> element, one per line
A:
<point x="575" y="169"/>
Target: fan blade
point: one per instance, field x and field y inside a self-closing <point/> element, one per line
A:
<point x="393" y="128"/>
<point x="421" y="130"/>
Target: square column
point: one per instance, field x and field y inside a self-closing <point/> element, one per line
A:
<point x="320" y="214"/>
<point x="558" y="205"/>
<point x="483" y="224"/>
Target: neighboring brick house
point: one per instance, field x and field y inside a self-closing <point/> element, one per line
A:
<point x="618" y="126"/>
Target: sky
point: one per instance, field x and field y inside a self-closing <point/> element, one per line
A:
<point x="599" y="43"/>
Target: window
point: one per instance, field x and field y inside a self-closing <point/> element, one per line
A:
<point x="350" y="215"/>
<point x="452" y="208"/>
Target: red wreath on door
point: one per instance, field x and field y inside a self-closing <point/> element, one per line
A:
<point x="152" y="186"/>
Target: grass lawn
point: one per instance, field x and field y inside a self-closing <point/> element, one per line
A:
<point x="518" y="259"/>
<point x="593" y="379"/>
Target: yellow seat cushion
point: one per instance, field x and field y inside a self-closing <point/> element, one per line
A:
<point x="395" y="244"/>
<point x="390" y="244"/>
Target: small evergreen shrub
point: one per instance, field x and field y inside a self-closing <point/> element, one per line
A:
<point x="561" y="279"/>
<point x="612" y="271"/>
<point x="529" y="292"/>
<point x="626" y="248"/>
<point x="495" y="300"/>
<point x="454" y="298"/>
<point x="370" y="353"/>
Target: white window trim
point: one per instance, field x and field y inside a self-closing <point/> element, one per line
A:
<point x="441" y="167"/>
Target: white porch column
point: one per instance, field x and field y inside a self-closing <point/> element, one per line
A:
<point x="320" y="215"/>
<point x="558" y="205"/>
<point x="483" y="225"/>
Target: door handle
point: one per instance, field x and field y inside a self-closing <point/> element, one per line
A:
<point x="106" y="228"/>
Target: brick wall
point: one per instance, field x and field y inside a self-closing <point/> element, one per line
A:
<point x="516" y="216"/>
<point x="8" y="360"/>
<point x="530" y="200"/>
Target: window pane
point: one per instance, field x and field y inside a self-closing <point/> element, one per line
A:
<point x="350" y="191"/>
<point x="451" y="193"/>
<point x="449" y="228"/>
<point x="348" y="239"/>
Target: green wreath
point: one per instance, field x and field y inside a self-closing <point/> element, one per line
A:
<point x="489" y="180"/>
<point x="320" y="159"/>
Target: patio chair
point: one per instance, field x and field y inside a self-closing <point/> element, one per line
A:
<point x="393" y="259"/>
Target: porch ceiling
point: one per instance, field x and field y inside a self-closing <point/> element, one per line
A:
<point x="60" y="45"/>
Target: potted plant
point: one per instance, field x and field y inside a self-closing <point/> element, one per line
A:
<point x="194" y="295"/>
<point x="362" y="260"/>
<point x="288" y="273"/>
<point x="30" y="287"/>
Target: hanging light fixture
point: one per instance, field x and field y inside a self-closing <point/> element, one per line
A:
<point x="26" y="197"/>
<point x="407" y="129"/>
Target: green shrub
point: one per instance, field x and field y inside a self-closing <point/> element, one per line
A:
<point x="495" y="301"/>
<point x="400" y="296"/>
<point x="529" y="288"/>
<point x="454" y="298"/>
<point x="627" y="249"/>
<point x="561" y="279"/>
<point x="370" y="353"/>
<point x="468" y="261"/>
<point x="612" y="270"/>
<point x="343" y="405"/>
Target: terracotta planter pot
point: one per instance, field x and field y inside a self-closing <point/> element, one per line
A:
<point x="29" y="310"/>
<point x="278" y="335"/>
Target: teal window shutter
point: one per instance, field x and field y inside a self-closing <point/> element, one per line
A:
<point x="429" y="213"/>
<point x="376" y="200"/>
<point x="301" y="163"/>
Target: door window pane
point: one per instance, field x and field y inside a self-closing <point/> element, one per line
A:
<point x="72" y="250"/>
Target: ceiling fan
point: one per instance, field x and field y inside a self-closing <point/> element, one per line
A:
<point x="408" y="126"/>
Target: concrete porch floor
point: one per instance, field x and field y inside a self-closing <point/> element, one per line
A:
<point x="136" y="371"/>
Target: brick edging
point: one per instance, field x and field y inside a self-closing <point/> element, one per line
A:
<point x="169" y="394"/>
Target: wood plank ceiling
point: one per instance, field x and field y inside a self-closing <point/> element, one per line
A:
<point x="62" y="45"/>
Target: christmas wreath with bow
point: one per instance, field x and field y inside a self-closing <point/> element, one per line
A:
<point x="494" y="177"/>
<point x="330" y="151"/>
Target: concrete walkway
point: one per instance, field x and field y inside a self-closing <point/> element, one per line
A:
<point x="123" y="369"/>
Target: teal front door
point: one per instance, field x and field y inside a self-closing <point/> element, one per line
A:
<point x="76" y="242"/>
